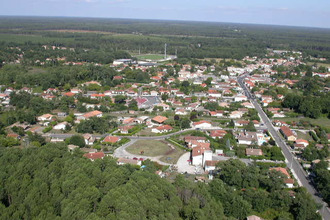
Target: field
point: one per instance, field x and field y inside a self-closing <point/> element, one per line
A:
<point x="151" y="148"/>
<point x="322" y="122"/>
<point x="327" y="65"/>
<point x="150" y="57"/>
<point x="305" y="136"/>
<point x="173" y="155"/>
<point x="24" y="38"/>
<point x="167" y="153"/>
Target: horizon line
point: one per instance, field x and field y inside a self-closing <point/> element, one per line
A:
<point x="174" y="20"/>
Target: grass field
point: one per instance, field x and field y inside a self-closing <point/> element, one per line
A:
<point x="319" y="64"/>
<point x="151" y="148"/>
<point x="323" y="122"/>
<point x="173" y="155"/>
<point x="20" y="38"/>
<point x="147" y="132"/>
<point x="150" y="56"/>
<point x="302" y="135"/>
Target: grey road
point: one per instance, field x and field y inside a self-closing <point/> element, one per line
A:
<point x="292" y="163"/>
<point x="63" y="136"/>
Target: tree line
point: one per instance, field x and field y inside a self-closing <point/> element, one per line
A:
<point x="49" y="182"/>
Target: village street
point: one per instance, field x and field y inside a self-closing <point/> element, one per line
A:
<point x="292" y="163"/>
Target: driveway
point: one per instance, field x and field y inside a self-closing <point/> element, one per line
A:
<point x="184" y="166"/>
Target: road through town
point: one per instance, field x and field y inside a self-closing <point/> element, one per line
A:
<point x="291" y="161"/>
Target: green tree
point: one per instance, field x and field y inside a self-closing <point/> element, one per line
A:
<point x="185" y="123"/>
<point x="303" y="206"/>
<point x="77" y="140"/>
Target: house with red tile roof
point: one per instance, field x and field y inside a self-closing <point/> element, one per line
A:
<point x="210" y="165"/>
<point x="218" y="133"/>
<point x="218" y="113"/>
<point x="91" y="114"/>
<point x="302" y="142"/>
<point x="282" y="170"/>
<point x="69" y="94"/>
<point x="111" y="139"/>
<point x="287" y="133"/>
<point x="45" y="117"/>
<point x="94" y="156"/>
<point x="92" y="83"/>
<point x="89" y="139"/>
<point x="159" y="119"/>
<point x="202" y="124"/>
<point x="200" y="154"/>
<point x="162" y="129"/>
<point x="188" y="139"/>
<point x="125" y="129"/>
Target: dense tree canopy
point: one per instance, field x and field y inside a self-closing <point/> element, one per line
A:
<point x="49" y="182"/>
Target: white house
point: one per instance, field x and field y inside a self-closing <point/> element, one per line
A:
<point x="89" y="139"/>
<point x="162" y="129"/>
<point x="236" y="114"/>
<point x="216" y="113"/>
<point x="202" y="124"/>
<point x="248" y="138"/>
<point x="60" y="126"/>
<point x="247" y="105"/>
<point x="302" y="141"/>
<point x="200" y="154"/>
<point x="45" y="117"/>
<point x="154" y="93"/>
<point x="181" y="111"/>
<point x="210" y="165"/>
<point x="240" y="98"/>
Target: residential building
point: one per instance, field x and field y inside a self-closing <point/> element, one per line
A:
<point x="202" y="124"/>
<point x="111" y="139"/>
<point x="94" y="156"/>
<point x="162" y="129"/>
<point x="287" y="133"/>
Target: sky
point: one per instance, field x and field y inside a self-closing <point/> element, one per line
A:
<point x="308" y="13"/>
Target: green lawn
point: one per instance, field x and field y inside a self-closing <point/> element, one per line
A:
<point x="151" y="148"/>
<point x="304" y="136"/>
<point x="323" y="122"/>
<point x="319" y="64"/>
<point x="22" y="38"/>
<point x="150" y="56"/>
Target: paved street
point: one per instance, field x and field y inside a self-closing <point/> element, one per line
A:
<point x="292" y="163"/>
<point x="184" y="166"/>
<point x="60" y="136"/>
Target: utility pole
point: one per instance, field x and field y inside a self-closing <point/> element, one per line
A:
<point x="165" y="51"/>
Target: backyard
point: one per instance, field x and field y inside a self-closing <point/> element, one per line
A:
<point x="322" y="122"/>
